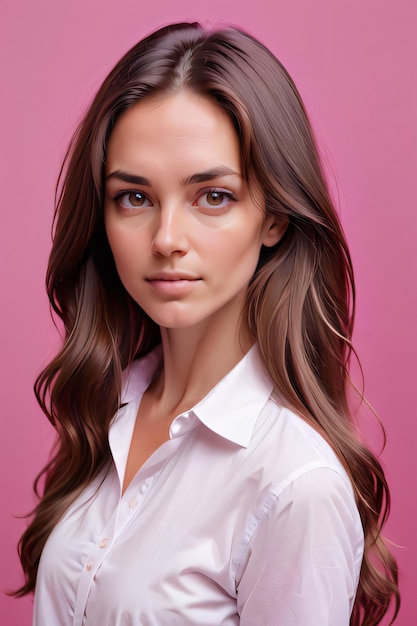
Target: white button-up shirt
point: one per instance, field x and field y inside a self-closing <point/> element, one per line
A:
<point x="244" y="516"/>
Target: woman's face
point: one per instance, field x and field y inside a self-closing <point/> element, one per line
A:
<point x="184" y="231"/>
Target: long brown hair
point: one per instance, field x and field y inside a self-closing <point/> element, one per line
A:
<point x="300" y="302"/>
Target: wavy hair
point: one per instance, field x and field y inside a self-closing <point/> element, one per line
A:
<point x="300" y="303"/>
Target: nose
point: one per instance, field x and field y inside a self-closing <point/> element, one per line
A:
<point x="170" y="233"/>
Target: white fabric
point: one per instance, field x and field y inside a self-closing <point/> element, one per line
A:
<point x="245" y="516"/>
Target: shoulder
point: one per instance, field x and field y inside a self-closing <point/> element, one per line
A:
<point x="288" y="449"/>
<point x="302" y="562"/>
<point x="307" y="516"/>
<point x="298" y="484"/>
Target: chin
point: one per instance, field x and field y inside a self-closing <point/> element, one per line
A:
<point x="172" y="324"/>
<point x="174" y="319"/>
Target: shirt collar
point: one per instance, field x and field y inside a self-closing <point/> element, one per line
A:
<point x="137" y="378"/>
<point x="230" y="409"/>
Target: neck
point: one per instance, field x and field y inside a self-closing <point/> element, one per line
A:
<point x="195" y="360"/>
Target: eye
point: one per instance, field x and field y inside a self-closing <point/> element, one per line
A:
<point x="132" y="200"/>
<point x="214" y="199"/>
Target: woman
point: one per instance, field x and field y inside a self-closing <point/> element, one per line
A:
<point x="208" y="470"/>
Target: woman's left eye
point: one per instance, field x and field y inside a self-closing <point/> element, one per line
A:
<point x="214" y="199"/>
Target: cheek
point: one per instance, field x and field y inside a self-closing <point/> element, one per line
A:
<point x="127" y="246"/>
<point x="235" y="248"/>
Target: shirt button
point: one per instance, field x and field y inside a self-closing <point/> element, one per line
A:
<point x="89" y="566"/>
<point x="175" y="428"/>
<point x="133" y="504"/>
<point x="144" y="488"/>
<point x="103" y="543"/>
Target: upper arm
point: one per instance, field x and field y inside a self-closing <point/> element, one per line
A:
<point x="303" y="561"/>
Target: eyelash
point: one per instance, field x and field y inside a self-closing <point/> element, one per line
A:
<point x="214" y="209"/>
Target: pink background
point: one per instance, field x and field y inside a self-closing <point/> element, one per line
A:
<point x="355" y="62"/>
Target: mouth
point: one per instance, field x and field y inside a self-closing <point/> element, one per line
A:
<point x="173" y="284"/>
<point x="172" y="277"/>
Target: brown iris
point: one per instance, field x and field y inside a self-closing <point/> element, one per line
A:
<point x="215" y="197"/>
<point x="136" y="198"/>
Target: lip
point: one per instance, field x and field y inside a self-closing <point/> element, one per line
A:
<point x="173" y="283"/>
<point x="172" y="276"/>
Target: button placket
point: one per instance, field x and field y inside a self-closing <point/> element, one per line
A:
<point x="91" y="567"/>
<point x="135" y="501"/>
<point x="103" y="542"/>
<point x="127" y="508"/>
<point x="130" y="505"/>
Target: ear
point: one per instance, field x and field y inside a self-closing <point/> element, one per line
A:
<point x="273" y="230"/>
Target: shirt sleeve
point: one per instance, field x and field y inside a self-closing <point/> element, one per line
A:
<point x="303" y="562"/>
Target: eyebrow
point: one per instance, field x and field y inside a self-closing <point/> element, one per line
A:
<point x="215" y="172"/>
<point x="129" y="178"/>
<point x="199" y="177"/>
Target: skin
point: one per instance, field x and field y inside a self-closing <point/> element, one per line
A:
<point x="186" y="234"/>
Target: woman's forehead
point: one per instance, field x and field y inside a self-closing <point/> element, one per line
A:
<point x="175" y="129"/>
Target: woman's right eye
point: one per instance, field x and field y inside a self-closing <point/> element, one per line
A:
<point x="132" y="200"/>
